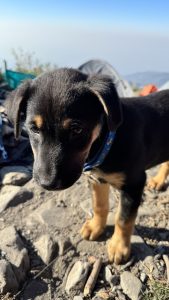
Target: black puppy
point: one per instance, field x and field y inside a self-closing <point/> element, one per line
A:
<point x="74" y="121"/>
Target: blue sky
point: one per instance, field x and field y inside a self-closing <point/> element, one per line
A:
<point x="131" y="35"/>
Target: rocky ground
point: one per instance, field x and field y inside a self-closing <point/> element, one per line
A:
<point x="42" y="255"/>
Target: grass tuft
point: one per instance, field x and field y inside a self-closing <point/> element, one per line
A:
<point x="157" y="291"/>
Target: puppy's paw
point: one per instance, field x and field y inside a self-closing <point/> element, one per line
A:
<point x="118" y="250"/>
<point x="156" y="183"/>
<point x="91" y="229"/>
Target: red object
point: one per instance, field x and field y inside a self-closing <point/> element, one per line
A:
<point x="148" y="89"/>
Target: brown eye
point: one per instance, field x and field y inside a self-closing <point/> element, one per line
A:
<point x="35" y="129"/>
<point x="75" y="129"/>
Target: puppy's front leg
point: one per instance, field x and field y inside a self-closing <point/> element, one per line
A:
<point x="119" y="246"/>
<point x="157" y="182"/>
<point x="94" y="227"/>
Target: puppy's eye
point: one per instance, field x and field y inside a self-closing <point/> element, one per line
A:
<point x="76" y="130"/>
<point x="35" y="129"/>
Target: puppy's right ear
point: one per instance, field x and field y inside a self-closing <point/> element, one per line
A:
<point x="16" y="105"/>
<point x="105" y="90"/>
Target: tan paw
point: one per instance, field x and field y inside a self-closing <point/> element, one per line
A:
<point x="91" y="229"/>
<point x="155" y="183"/>
<point x="118" y="250"/>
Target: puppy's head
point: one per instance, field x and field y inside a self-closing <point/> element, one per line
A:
<point x="63" y="110"/>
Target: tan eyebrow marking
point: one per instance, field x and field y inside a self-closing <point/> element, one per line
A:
<point x="38" y="121"/>
<point x="66" y="123"/>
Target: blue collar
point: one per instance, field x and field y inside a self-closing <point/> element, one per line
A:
<point x="101" y="154"/>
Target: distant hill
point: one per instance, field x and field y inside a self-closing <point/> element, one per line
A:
<point x="142" y="78"/>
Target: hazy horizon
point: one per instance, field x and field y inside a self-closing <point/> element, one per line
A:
<point x="133" y="37"/>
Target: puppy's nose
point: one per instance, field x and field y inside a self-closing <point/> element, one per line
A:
<point x="46" y="183"/>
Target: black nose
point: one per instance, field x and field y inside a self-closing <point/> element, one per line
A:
<point x="45" y="184"/>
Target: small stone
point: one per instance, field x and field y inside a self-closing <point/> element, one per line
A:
<point x="157" y="256"/>
<point x="13" y="195"/>
<point x="156" y="273"/>
<point x="131" y="285"/>
<point x="77" y="277"/>
<point x="148" y="265"/>
<point x="16" y="253"/>
<point x="47" y="248"/>
<point x="113" y="280"/>
<point x="162" y="264"/>
<point x="78" y="298"/>
<point x="108" y="275"/>
<point x="15" y="175"/>
<point x="8" y="281"/>
<point x="143" y="277"/>
<point x="64" y="244"/>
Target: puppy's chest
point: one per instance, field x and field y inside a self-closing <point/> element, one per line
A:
<point x="116" y="179"/>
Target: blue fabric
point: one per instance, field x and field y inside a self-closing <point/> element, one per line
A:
<point x="2" y="149"/>
<point x="102" y="153"/>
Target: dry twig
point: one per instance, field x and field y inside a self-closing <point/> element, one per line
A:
<point x="166" y="260"/>
<point x="93" y="277"/>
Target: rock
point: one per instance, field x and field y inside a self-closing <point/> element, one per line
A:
<point x="131" y="285"/>
<point x="8" y="281"/>
<point x="78" y="298"/>
<point x="108" y="275"/>
<point x="143" y="277"/>
<point x="64" y="244"/>
<point x="15" y="252"/>
<point x="113" y="280"/>
<point x="148" y="265"/>
<point x="156" y="273"/>
<point x="15" y="175"/>
<point x="77" y="277"/>
<point x="13" y="195"/>
<point x="153" y="268"/>
<point x="47" y="248"/>
<point x="51" y="215"/>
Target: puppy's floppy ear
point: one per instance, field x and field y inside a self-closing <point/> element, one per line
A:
<point x="104" y="88"/>
<point x="16" y="105"/>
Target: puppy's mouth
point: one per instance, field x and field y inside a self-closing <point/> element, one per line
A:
<point x="56" y="184"/>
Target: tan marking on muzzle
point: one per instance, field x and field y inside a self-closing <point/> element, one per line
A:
<point x="38" y="121"/>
